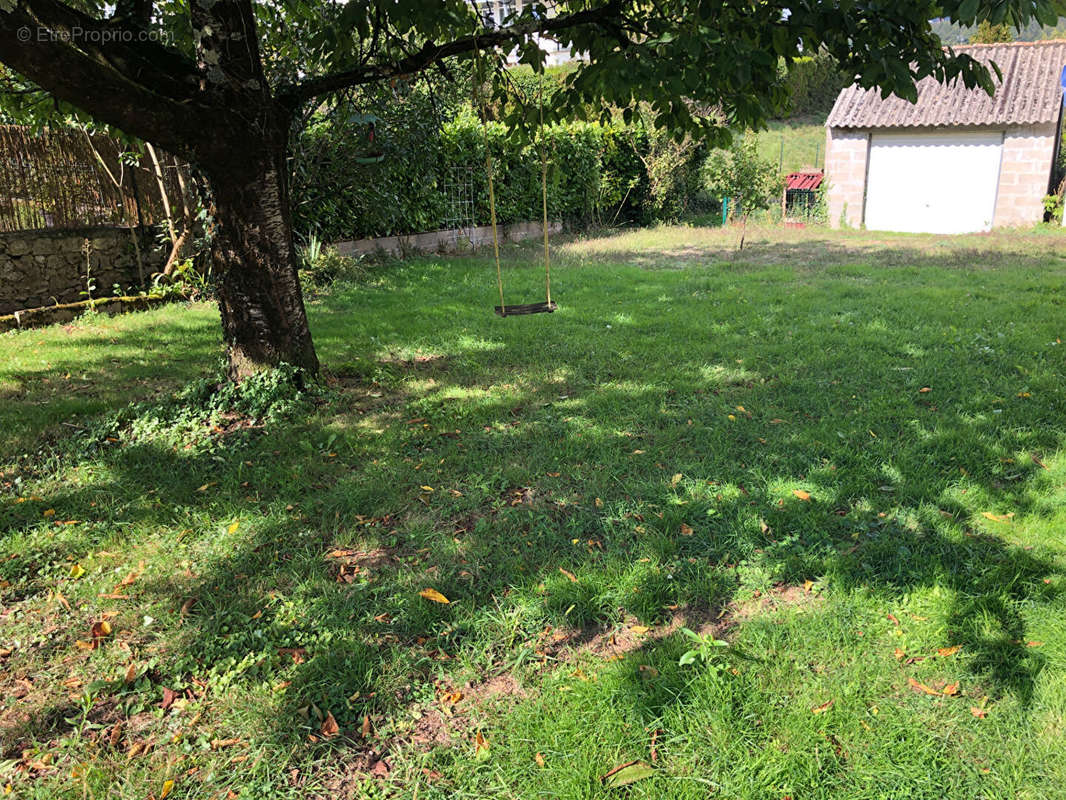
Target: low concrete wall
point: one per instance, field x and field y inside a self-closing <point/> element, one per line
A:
<point x="50" y="267"/>
<point x="450" y="241"/>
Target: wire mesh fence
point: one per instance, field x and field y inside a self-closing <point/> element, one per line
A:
<point x="72" y="179"/>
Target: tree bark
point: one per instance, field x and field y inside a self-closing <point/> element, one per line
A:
<point x="263" y="318"/>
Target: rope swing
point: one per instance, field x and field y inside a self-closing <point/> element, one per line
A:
<point x="503" y="309"/>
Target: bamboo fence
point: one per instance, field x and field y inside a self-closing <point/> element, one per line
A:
<point x="71" y="179"/>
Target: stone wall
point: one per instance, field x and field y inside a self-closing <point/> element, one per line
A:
<point x="846" y="153"/>
<point x="1024" y="174"/>
<point x="449" y="241"/>
<point x="48" y="267"/>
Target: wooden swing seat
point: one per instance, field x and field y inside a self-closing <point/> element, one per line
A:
<point x="526" y="308"/>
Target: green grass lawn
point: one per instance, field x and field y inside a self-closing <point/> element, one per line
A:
<point x="842" y="454"/>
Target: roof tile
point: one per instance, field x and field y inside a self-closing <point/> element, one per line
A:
<point x="1031" y="92"/>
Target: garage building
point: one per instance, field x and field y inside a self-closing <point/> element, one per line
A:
<point x="957" y="161"/>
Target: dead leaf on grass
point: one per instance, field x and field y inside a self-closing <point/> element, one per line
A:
<point x="435" y="596"/>
<point x="823" y="707"/>
<point x="329" y="728"/>
<point x="921" y="687"/>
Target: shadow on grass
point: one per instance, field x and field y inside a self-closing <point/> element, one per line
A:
<point x="607" y="485"/>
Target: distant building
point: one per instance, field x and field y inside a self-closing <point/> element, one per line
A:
<point x="497" y="12"/>
<point x="957" y="161"/>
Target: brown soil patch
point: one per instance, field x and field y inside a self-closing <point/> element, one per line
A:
<point x="357" y="768"/>
<point x="568" y="644"/>
<point x="349" y="562"/>
<point x="780" y="596"/>
<point x="455" y="713"/>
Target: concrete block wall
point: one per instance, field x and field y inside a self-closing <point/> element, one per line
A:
<point x="1024" y="174"/>
<point x="846" y="152"/>
<point x="48" y="267"/>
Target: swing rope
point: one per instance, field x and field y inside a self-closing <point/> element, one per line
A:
<point x="531" y="308"/>
<point x="488" y="172"/>
<point x="544" y="196"/>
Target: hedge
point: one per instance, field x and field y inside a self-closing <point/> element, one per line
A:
<point x="596" y="174"/>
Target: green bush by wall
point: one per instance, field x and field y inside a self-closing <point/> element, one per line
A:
<point x="597" y="174"/>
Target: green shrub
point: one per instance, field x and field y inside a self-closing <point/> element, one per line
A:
<point x="752" y="184"/>
<point x="597" y="174"/>
<point x="321" y="265"/>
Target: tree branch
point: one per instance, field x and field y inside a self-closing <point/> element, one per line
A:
<point x="136" y="85"/>
<point x="608" y="16"/>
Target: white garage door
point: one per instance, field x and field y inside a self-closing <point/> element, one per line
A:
<point x="943" y="182"/>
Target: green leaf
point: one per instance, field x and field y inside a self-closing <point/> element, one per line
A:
<point x="628" y="774"/>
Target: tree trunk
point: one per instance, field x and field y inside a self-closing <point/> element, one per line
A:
<point x="263" y="318"/>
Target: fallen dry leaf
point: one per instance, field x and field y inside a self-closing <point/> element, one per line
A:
<point x="1004" y="518"/>
<point x="101" y="629"/>
<point x="892" y="619"/>
<point x="823" y="707"/>
<point x="435" y="596"/>
<point x="980" y="713"/>
<point x="899" y="654"/>
<point x="924" y="390"/>
<point x="921" y="687"/>
<point x="169" y="696"/>
<point x="539" y="759"/>
<point x="329" y="728"/>
<point x="686" y="530"/>
<point x="950" y="690"/>
<point x="945" y="652"/>
<point x="168" y="787"/>
<point x="802" y="495"/>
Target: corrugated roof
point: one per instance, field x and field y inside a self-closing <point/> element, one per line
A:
<point x="805" y="180"/>
<point x="1031" y="93"/>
